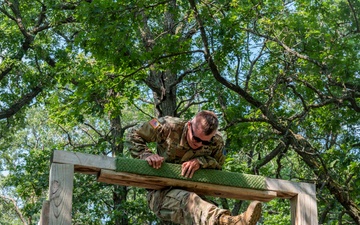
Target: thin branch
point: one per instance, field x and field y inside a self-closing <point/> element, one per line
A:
<point x="14" y="6"/>
<point x="67" y="134"/>
<point x="355" y="16"/>
<point x="42" y="15"/>
<point x="283" y="144"/>
<point x="245" y="120"/>
<point x="292" y="87"/>
<point x="354" y="104"/>
<point x="213" y="66"/>
<point x="90" y="136"/>
<point x="24" y="100"/>
<point x="150" y="116"/>
<point x="15" y="207"/>
<point x="129" y="126"/>
<point x="157" y="60"/>
<point x="94" y="129"/>
<point x="2" y="9"/>
<point x="252" y="65"/>
<point x="308" y="85"/>
<point x="181" y="76"/>
<point x="189" y="105"/>
<point x="287" y="48"/>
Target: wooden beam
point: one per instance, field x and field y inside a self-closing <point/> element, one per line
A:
<point x="289" y="189"/>
<point x="93" y="164"/>
<point x="152" y="182"/>
<point x="84" y="163"/>
<point x="60" y="193"/>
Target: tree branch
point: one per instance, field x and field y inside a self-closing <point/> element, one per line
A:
<point x="14" y="6"/>
<point x="302" y="146"/>
<point x="283" y="144"/>
<point x="17" y="210"/>
<point x="355" y="16"/>
<point x="252" y="64"/>
<point x="157" y="60"/>
<point x="287" y="48"/>
<point x="213" y="67"/>
<point x="25" y="100"/>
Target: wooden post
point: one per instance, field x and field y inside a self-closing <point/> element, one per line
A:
<point x="303" y="209"/>
<point x="44" y="217"/>
<point x="60" y="193"/>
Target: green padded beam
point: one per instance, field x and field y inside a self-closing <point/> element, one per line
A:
<point x="211" y="176"/>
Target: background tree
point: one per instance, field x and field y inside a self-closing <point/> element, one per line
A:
<point x="282" y="75"/>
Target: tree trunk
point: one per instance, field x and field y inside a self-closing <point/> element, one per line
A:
<point x="162" y="83"/>
<point x="119" y="192"/>
<point x="164" y="92"/>
<point x="119" y="197"/>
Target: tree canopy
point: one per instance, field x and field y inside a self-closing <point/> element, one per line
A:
<point x="283" y="77"/>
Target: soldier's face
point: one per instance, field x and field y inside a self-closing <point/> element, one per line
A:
<point x="196" y="137"/>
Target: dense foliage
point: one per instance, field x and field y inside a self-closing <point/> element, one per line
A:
<point x="283" y="76"/>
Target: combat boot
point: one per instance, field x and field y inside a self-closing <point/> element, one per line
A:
<point x="249" y="217"/>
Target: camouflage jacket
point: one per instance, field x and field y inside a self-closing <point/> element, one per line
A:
<point x="170" y="135"/>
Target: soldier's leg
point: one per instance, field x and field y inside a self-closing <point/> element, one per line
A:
<point x="183" y="207"/>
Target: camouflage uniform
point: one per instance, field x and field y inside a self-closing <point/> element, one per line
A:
<point x="170" y="134"/>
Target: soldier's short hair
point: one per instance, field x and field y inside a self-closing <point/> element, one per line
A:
<point x="207" y="120"/>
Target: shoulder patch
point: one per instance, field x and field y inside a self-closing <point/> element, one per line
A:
<point x="154" y="123"/>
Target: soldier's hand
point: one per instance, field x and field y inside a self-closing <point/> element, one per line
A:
<point x="155" y="160"/>
<point x="188" y="168"/>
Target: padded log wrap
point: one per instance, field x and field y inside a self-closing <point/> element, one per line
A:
<point x="211" y="176"/>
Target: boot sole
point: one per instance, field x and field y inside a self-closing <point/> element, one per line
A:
<point x="255" y="212"/>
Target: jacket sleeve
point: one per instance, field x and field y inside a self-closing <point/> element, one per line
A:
<point x="139" y="136"/>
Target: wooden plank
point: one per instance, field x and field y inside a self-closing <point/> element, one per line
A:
<point x="126" y="179"/>
<point x="93" y="164"/>
<point x="84" y="163"/>
<point x="44" y="217"/>
<point x="289" y="189"/>
<point x="152" y="182"/>
<point x="60" y="193"/>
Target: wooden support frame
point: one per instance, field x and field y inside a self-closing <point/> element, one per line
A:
<point x="57" y="210"/>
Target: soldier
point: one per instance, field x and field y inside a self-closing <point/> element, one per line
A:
<point x="195" y="144"/>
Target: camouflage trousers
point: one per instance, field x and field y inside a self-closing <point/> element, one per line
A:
<point x="183" y="207"/>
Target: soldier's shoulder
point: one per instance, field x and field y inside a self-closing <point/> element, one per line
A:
<point x="218" y="138"/>
<point x="171" y="120"/>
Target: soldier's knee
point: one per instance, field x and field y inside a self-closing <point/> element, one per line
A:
<point x="192" y="202"/>
<point x="170" y="206"/>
